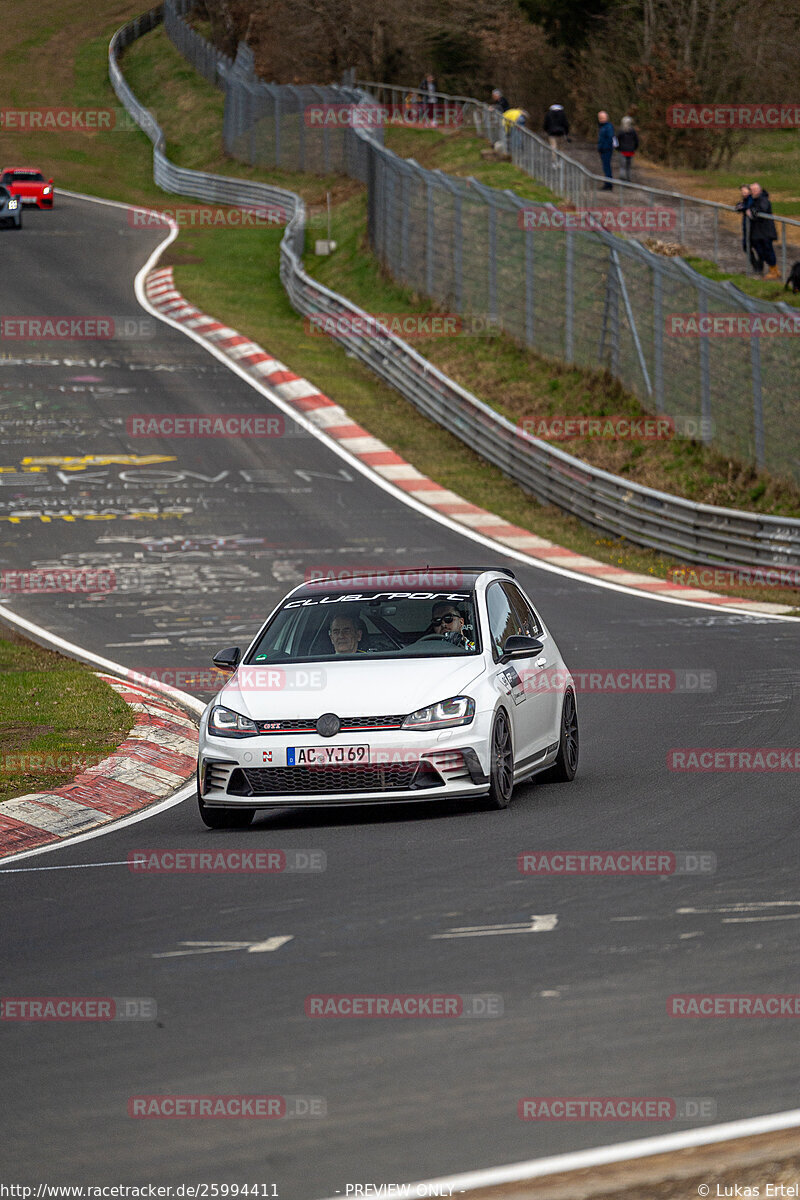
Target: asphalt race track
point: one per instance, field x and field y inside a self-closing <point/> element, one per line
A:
<point x="584" y="1001"/>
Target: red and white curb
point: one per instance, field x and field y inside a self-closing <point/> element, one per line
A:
<point x="333" y="421"/>
<point x="157" y="757"/>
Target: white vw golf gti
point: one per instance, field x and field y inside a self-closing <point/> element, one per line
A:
<point x="412" y="686"/>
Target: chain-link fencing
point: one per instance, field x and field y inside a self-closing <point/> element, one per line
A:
<point x="469" y="248"/>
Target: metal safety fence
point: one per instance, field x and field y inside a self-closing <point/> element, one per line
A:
<point x="669" y="524"/>
<point x="690" y="220"/>
<point x="584" y="296"/>
<point x="295" y="128"/>
<point x="206" y="59"/>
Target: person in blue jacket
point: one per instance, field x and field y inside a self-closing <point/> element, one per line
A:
<point x="605" y="147"/>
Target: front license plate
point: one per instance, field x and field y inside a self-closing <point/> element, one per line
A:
<point x="325" y="756"/>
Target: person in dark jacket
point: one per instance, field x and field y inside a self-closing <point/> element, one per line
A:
<point x="556" y="125"/>
<point x="628" y="144"/>
<point x="762" y="230"/>
<point x="499" y="101"/>
<point x="742" y="207"/>
<point x="605" y="147"/>
<point x="428" y="91"/>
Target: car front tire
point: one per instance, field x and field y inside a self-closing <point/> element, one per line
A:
<point x="501" y="768"/>
<point x="565" y="768"/>
<point x="224" y="818"/>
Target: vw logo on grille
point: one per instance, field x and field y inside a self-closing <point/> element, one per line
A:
<point x="328" y="725"/>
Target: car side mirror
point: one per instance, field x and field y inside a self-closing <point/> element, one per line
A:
<point x="521" y="646"/>
<point x="227" y="660"/>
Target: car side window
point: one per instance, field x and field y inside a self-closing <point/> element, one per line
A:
<point x="503" y="621"/>
<point x="522" y="610"/>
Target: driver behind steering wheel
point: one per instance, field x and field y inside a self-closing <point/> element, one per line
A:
<point x="448" y="620"/>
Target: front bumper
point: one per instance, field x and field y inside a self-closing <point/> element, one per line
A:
<point x="35" y="201"/>
<point x="409" y="767"/>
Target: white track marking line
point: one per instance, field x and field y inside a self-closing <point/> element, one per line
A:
<point x="580" y="1160"/>
<point x="742" y="906"/>
<point x="273" y="943"/>
<point x="122" y="862"/>
<point x="263" y="947"/>
<point x="749" y="920"/>
<point x="542" y="923"/>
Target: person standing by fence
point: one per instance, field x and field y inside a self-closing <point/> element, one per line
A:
<point x="605" y="147"/>
<point x="428" y="90"/>
<point x="556" y="125"/>
<point x="628" y="145"/>
<point x="762" y="231"/>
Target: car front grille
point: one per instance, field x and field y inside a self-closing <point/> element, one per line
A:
<point x="351" y="778"/>
<point x="349" y="724"/>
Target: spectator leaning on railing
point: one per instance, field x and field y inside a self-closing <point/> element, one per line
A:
<point x="741" y="207"/>
<point x="499" y="101"/>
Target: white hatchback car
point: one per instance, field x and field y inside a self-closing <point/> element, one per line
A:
<point x="412" y="686"/>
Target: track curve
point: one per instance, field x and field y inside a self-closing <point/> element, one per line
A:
<point x="585" y="1003"/>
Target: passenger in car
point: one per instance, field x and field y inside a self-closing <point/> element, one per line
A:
<point x="448" y="619"/>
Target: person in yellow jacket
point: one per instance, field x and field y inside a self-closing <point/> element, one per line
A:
<point x="514" y="116"/>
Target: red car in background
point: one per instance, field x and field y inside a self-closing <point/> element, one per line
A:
<point x="29" y="184"/>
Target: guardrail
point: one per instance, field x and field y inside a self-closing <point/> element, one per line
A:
<point x="575" y="182"/>
<point x="669" y="524"/>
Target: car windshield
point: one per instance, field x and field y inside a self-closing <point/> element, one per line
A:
<point x="25" y="177"/>
<point x="357" y="625"/>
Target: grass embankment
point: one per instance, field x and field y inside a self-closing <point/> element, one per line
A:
<point x="55" y="715"/>
<point x="234" y="274"/>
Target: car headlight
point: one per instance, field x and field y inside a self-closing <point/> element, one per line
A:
<point x="13" y="203"/>
<point x="46" y="191"/>
<point x="458" y="710"/>
<point x="225" y="723"/>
